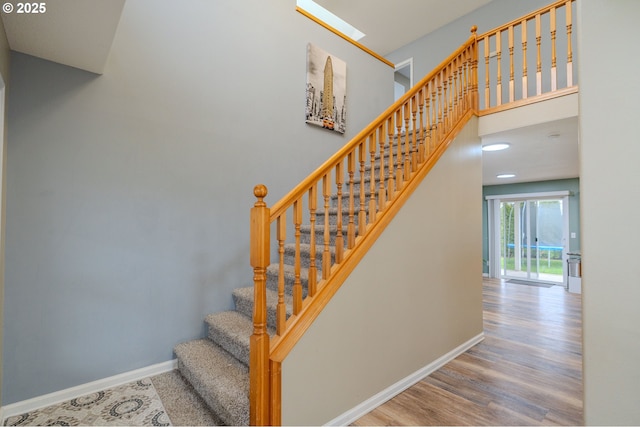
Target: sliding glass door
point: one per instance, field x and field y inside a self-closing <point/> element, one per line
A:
<point x="530" y="239"/>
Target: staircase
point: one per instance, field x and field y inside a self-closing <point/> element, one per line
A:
<point x="218" y="366"/>
<point x="405" y="142"/>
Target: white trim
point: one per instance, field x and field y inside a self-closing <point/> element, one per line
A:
<point x="373" y="402"/>
<point x="403" y="64"/>
<point x="525" y="196"/>
<point x="83" y="389"/>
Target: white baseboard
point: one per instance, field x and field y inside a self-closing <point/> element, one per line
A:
<point x="373" y="402"/>
<point x="88" y="388"/>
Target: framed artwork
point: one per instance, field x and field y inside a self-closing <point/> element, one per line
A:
<point x="326" y="90"/>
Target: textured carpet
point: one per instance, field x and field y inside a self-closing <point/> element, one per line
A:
<point x="183" y="405"/>
<point x="132" y="404"/>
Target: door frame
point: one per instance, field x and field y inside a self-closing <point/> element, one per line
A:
<point x="407" y="63"/>
<point x="493" y="205"/>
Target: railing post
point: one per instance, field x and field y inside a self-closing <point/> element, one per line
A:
<point x="259" y="395"/>
<point x="474" y="69"/>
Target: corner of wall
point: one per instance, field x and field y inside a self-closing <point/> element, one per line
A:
<point x="4" y="75"/>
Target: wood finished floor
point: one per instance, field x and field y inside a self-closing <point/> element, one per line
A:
<point x="527" y="371"/>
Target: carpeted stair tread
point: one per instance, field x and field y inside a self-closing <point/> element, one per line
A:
<point x="220" y="379"/>
<point x="243" y="298"/>
<point x="305" y="254"/>
<point x="273" y="272"/>
<point x="231" y="331"/>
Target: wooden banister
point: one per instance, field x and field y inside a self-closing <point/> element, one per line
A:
<point x="259" y="342"/>
<point x="365" y="183"/>
<point x="539" y="18"/>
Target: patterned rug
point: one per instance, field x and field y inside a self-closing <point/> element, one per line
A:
<point x="133" y="404"/>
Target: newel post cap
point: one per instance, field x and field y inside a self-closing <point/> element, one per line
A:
<point x="260" y="191"/>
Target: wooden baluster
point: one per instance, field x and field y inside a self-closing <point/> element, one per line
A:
<point x="552" y="19"/>
<point x="399" y="180"/>
<point x="313" y="270"/>
<point x="499" y="68"/>
<point x="259" y="393"/>
<point x="391" y="185"/>
<point x="421" y="103"/>
<point x="372" y="178"/>
<point x="326" y="254"/>
<point x="445" y="100"/>
<point x="466" y="68"/>
<point x="427" y="117"/>
<point x="434" y="111"/>
<point x="414" y="136"/>
<point x="281" y="311"/>
<point x="470" y="83"/>
<point x="382" y="191"/>
<point x="459" y="84"/>
<point x="539" y="57"/>
<point x="362" y="214"/>
<point x="473" y="80"/>
<point x="339" y="237"/>
<point x="351" y="228"/>
<point x="297" y="285"/>
<point x="569" y="51"/>
<point x="407" y="142"/>
<point x="511" y="74"/>
<point x="450" y="69"/>
<point x="440" y="108"/>
<point x="525" y="83"/>
<point x="487" y="88"/>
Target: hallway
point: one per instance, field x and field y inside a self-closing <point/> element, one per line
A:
<point x="527" y="371"/>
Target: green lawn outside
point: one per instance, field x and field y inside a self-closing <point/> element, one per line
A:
<point x="553" y="266"/>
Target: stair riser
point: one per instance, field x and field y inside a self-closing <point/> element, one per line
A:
<point x="289" y="258"/>
<point x="244" y="305"/>
<point x="333" y="218"/>
<point x="239" y="350"/>
<point x="305" y="235"/>
<point x="273" y="277"/>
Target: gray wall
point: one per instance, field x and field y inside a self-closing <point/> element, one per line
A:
<point x="414" y="297"/>
<point x="4" y="72"/>
<point x="610" y="200"/>
<point x="571" y="185"/>
<point x="129" y="193"/>
<point x="430" y="50"/>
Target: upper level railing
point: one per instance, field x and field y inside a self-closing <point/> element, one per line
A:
<point x="527" y="58"/>
<point x="346" y="203"/>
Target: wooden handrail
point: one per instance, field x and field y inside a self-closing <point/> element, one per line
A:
<point x="279" y="207"/>
<point x="367" y="181"/>
<point x="507" y="79"/>
<point x="377" y="171"/>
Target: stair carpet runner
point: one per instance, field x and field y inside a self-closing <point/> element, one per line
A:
<point x="218" y="366"/>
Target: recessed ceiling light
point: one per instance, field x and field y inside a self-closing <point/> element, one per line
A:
<point x="495" y="147"/>
<point x="506" y="175"/>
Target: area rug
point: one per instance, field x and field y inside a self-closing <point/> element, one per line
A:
<point x="132" y="404"/>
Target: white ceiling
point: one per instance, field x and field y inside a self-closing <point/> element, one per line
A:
<point x="389" y="25"/>
<point x="79" y="33"/>
<point x="537" y="153"/>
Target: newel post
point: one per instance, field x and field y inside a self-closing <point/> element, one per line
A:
<point x="259" y="344"/>
<point x="474" y="69"/>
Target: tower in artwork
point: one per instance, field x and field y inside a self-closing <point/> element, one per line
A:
<point x="327" y="98"/>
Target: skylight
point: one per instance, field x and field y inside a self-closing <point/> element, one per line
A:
<point x="324" y="15"/>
